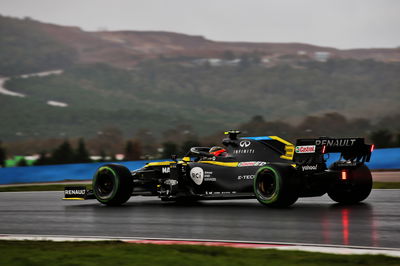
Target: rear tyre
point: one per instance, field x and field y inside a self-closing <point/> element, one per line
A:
<point x="112" y="184"/>
<point x="275" y="185"/>
<point x="357" y="187"/>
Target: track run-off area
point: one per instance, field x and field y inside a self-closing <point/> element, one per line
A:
<point x="315" y="223"/>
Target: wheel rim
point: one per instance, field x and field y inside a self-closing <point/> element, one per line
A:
<point x="105" y="183"/>
<point x="266" y="185"/>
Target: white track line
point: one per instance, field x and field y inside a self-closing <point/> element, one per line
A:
<point x="334" y="249"/>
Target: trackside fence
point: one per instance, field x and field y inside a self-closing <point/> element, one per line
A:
<point x="380" y="159"/>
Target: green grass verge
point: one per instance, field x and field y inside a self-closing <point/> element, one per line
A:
<point x="57" y="187"/>
<point x="387" y="185"/>
<point x="13" y="162"/>
<point x="118" y="253"/>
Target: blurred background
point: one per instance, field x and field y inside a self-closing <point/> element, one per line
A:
<point x="85" y="81"/>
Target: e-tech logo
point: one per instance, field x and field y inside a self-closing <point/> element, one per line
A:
<point x="244" y="143"/>
<point x="246" y="177"/>
<point x="305" y="149"/>
<point x="197" y="175"/>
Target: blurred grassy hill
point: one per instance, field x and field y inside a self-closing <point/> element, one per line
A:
<point x="26" y="48"/>
<point x="156" y="80"/>
<point x="158" y="94"/>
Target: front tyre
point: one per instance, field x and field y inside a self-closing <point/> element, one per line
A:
<point x="275" y="185"/>
<point x="356" y="188"/>
<point x="112" y="184"/>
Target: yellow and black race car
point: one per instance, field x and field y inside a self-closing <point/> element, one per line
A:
<point x="268" y="168"/>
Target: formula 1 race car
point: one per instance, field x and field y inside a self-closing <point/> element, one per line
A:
<point x="270" y="169"/>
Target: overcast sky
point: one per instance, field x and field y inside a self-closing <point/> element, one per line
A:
<point x="335" y="23"/>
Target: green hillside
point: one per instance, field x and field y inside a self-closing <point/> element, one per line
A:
<point x="26" y="48"/>
<point x="159" y="95"/>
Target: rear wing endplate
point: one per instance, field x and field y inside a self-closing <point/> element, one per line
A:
<point x="350" y="149"/>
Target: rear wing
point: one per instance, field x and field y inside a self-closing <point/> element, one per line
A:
<point x="350" y="149"/>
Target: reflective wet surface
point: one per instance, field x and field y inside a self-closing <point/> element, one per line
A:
<point x="376" y="222"/>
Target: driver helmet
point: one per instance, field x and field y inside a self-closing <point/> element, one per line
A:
<point x="217" y="151"/>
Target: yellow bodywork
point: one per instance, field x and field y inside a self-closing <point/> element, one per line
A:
<point x="289" y="148"/>
<point x="73" y="199"/>
<point x="227" y="164"/>
<point x="167" y="163"/>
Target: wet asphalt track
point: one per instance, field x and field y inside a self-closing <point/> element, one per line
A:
<point x="375" y="223"/>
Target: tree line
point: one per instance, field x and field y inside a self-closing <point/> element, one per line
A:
<point x="146" y="145"/>
<point x="330" y="125"/>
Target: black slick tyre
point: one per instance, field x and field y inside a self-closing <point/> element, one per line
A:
<point x="357" y="187"/>
<point x="112" y="184"/>
<point x="275" y="185"/>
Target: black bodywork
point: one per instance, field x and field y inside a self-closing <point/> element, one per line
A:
<point x="210" y="177"/>
<point x="200" y="175"/>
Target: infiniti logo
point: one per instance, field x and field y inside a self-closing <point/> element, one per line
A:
<point x="244" y="143"/>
